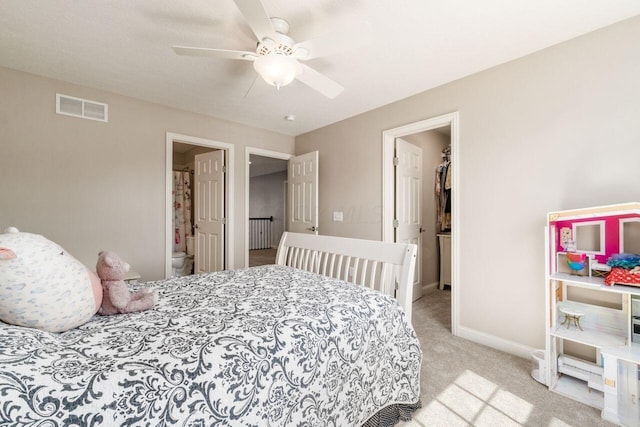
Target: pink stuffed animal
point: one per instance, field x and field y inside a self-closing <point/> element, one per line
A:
<point x="117" y="298"/>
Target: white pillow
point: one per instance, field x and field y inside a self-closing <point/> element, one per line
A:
<point x="41" y="285"/>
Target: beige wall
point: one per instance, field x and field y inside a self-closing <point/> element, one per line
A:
<point x="555" y="130"/>
<point x="89" y="185"/>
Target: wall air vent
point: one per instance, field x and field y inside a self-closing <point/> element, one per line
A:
<point x="83" y="108"/>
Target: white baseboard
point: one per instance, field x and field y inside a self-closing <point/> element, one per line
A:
<point x="483" y="338"/>
<point x="493" y="341"/>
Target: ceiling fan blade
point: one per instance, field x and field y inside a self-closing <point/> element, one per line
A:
<point x="216" y="53"/>
<point x="319" y="82"/>
<point x="340" y="40"/>
<point x="257" y="18"/>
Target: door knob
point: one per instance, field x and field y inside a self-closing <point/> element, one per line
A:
<point x="422" y="230"/>
<point x="314" y="228"/>
<point x="196" y="226"/>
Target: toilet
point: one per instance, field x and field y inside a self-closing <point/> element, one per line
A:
<point x="181" y="262"/>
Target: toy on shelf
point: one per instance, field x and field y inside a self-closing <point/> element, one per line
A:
<point x="566" y="241"/>
<point x="576" y="261"/>
<point x="571" y="316"/>
<point x="626" y="261"/>
<point x="625" y="270"/>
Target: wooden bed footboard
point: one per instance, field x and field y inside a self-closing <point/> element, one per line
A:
<point x="385" y="267"/>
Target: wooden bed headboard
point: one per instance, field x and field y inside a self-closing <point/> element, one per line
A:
<point x="385" y="267"/>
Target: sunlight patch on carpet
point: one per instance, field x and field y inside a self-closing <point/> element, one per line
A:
<point x="472" y="399"/>
<point x="558" y="423"/>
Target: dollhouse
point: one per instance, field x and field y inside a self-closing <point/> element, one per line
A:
<point x="592" y="341"/>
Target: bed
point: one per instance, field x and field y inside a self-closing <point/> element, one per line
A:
<point x="272" y="345"/>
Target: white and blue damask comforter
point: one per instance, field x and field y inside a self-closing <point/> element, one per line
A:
<point x="264" y="346"/>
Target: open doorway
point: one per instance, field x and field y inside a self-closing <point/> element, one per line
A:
<point x="423" y="162"/>
<point x="266" y="204"/>
<point x="267" y="207"/>
<point x="211" y="251"/>
<point x="447" y="131"/>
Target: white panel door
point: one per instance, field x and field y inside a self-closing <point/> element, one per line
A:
<point x="209" y="212"/>
<point x="409" y="203"/>
<point x="303" y="193"/>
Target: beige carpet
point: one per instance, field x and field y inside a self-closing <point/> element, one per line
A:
<point x="463" y="383"/>
<point x="262" y="257"/>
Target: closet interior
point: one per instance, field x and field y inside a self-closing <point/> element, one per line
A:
<point x="442" y="190"/>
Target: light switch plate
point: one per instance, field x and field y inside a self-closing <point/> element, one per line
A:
<point x="337" y="216"/>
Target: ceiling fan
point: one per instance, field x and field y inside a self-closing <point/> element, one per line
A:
<point x="277" y="57"/>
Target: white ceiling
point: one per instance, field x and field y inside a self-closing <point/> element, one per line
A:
<point x="124" y="46"/>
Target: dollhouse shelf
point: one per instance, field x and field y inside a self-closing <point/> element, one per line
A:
<point x="595" y="283"/>
<point x="588" y="336"/>
<point x="578" y="280"/>
<point x="578" y="390"/>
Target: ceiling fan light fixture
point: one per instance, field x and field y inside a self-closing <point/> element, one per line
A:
<point x="277" y="69"/>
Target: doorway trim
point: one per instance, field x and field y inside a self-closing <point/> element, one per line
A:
<point x="388" y="200"/>
<point x="248" y="151"/>
<point x="230" y="193"/>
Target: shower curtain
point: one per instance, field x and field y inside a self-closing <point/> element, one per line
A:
<point x="181" y="210"/>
